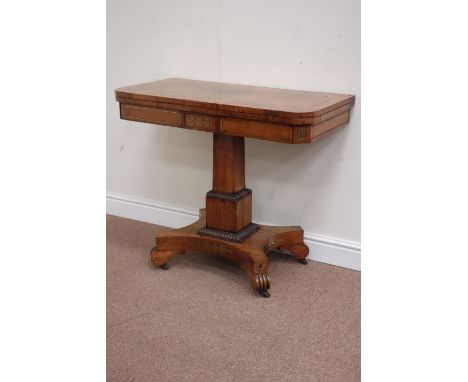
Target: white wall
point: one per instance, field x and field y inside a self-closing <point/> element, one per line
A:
<point x="307" y="45"/>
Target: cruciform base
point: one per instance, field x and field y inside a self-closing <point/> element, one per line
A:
<point x="251" y="254"/>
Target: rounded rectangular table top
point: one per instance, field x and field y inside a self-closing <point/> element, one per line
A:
<point x="236" y="98"/>
<point x="280" y="115"/>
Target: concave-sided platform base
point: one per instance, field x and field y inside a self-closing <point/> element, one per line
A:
<point x="251" y="254"/>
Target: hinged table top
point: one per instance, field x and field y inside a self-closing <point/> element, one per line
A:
<point x="242" y="98"/>
<point x="251" y="111"/>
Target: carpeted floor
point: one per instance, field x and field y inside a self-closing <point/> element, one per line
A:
<point x="201" y="321"/>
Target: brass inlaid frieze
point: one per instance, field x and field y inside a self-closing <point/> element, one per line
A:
<point x="218" y="247"/>
<point x="195" y="121"/>
<point x="301" y="135"/>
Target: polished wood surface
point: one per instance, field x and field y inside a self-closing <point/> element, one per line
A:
<point x="237" y="98"/>
<point x="229" y="215"/>
<point x="231" y="113"/>
<point x="228" y="163"/>
<point x="245" y="111"/>
<point x="228" y="208"/>
<point x="251" y="254"/>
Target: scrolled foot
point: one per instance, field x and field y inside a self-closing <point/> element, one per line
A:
<point x="264" y="293"/>
<point x="262" y="281"/>
<point x="160" y="258"/>
<point x="299" y="251"/>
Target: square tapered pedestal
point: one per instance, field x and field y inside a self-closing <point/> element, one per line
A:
<point x="230" y="113"/>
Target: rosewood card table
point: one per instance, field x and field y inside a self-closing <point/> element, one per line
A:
<point x="231" y="113"/>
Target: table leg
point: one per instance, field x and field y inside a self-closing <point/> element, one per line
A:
<point x="251" y="254"/>
<point x="225" y="228"/>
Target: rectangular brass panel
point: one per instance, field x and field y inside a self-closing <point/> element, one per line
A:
<point x="302" y="134"/>
<point x="200" y="122"/>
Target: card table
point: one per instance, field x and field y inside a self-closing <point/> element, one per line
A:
<point x="230" y="113"/>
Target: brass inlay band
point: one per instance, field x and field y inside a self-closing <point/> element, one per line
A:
<point x="214" y="246"/>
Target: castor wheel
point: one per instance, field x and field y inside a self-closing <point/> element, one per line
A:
<point x="264" y="293"/>
<point x="303" y="261"/>
<point x="165" y="266"/>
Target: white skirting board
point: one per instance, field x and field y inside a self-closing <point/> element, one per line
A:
<point x="323" y="249"/>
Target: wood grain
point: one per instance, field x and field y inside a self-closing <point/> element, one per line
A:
<point x="229" y="215"/>
<point x="228" y="163"/>
<point x="151" y="115"/>
<point x="255" y="129"/>
<point x="226" y="212"/>
<point x="279" y="115"/>
<point x="329" y="125"/>
<point x="247" y="116"/>
<point x="251" y="254"/>
<point x="232" y="112"/>
<point x="236" y="98"/>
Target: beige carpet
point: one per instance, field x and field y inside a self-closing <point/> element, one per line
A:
<point x="201" y="321"/>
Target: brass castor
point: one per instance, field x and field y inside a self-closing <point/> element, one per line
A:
<point x="303" y="261"/>
<point x="165" y="266"/>
<point x="264" y="293"/>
